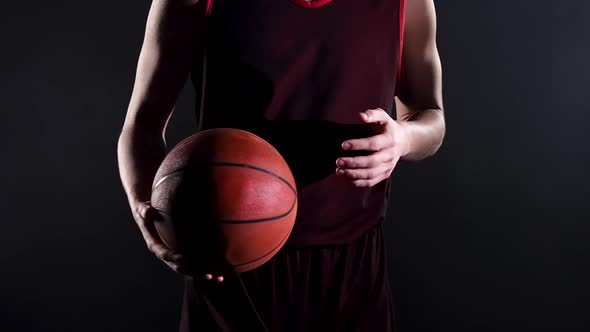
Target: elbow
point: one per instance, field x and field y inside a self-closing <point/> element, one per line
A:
<point x="440" y="133"/>
<point x="143" y="124"/>
<point x="428" y="137"/>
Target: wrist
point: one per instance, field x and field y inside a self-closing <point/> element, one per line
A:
<point x="136" y="200"/>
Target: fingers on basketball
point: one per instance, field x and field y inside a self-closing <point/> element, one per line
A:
<point x="215" y="267"/>
<point x="147" y="214"/>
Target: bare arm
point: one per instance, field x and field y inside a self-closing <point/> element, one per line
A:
<point x="419" y="95"/>
<point x="173" y="38"/>
<point x="419" y="129"/>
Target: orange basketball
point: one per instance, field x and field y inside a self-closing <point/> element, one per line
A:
<point x="225" y="193"/>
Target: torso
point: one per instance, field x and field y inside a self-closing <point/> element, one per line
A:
<point x="297" y="73"/>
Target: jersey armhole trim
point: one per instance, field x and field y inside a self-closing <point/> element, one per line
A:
<point x="402" y="15"/>
<point x="209" y="7"/>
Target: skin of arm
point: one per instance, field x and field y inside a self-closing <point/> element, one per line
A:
<point x="173" y="38"/>
<point x="170" y="43"/>
<point x="419" y="127"/>
<point x="419" y="96"/>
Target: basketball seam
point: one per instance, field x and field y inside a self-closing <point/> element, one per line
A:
<point x="283" y="241"/>
<point x="250" y="221"/>
<point x="260" y="169"/>
<point x="253" y="221"/>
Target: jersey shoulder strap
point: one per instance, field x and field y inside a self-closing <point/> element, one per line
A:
<point x="402" y="15"/>
<point x="209" y="7"/>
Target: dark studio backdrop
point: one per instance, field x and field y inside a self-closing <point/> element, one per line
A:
<point x="489" y="235"/>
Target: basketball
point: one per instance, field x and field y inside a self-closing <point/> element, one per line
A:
<point x="225" y="194"/>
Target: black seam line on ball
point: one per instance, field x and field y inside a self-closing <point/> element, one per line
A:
<point x="248" y="221"/>
<point x="253" y="221"/>
<point x="230" y="165"/>
<point x="265" y="255"/>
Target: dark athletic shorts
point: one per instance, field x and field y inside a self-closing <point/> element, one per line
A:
<point x="302" y="289"/>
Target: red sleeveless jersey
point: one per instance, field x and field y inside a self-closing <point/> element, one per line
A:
<point x="297" y="73"/>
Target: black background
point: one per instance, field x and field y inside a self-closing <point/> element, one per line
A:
<point x="491" y="234"/>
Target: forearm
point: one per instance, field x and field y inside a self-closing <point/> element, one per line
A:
<point x="140" y="153"/>
<point x="425" y="132"/>
<point x="173" y="41"/>
<point x="419" y="102"/>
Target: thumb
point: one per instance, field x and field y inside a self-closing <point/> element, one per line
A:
<point x="375" y="115"/>
<point x="148" y="212"/>
<point x="141" y="208"/>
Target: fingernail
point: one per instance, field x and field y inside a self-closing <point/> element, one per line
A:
<point x="339" y="171"/>
<point x="346" y="145"/>
<point x="341" y="162"/>
<point x="208" y="276"/>
<point x="219" y="279"/>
